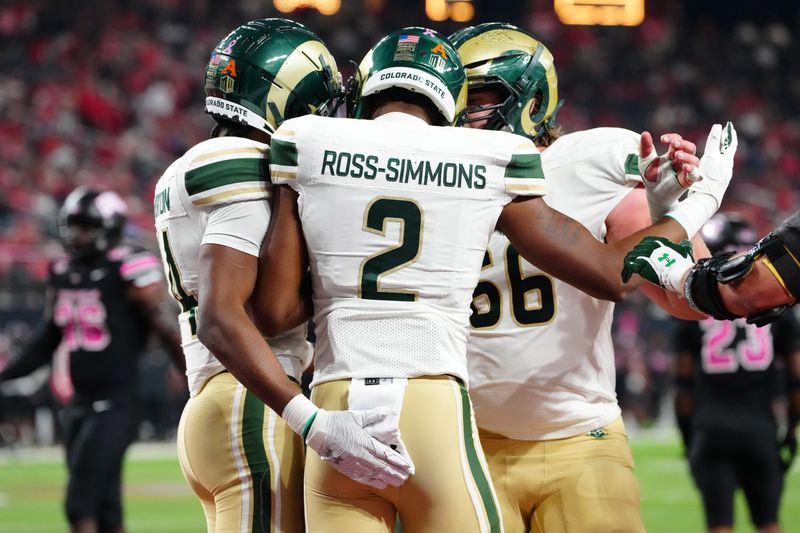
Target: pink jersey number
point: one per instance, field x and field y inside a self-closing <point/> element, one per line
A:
<point x="82" y="316"/>
<point x="721" y="355"/>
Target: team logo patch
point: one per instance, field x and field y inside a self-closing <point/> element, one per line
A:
<point x="437" y="62"/>
<point x="439" y="49"/>
<point x="226" y="84"/>
<point x="406" y="48"/>
<point x="598" y="433"/>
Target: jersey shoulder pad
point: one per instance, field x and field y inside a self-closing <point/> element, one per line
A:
<point x="226" y="170"/>
<point x="614" y="152"/>
<point x="284" y="145"/>
<point x="137" y="264"/>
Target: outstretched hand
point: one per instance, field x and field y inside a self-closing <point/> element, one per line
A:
<point x="679" y="161"/>
<point x="666" y="177"/>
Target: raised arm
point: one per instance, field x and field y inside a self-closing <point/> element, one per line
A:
<point x="564" y="248"/>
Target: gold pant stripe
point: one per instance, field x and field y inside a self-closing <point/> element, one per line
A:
<point x="241" y="460"/>
<point x="445" y="494"/>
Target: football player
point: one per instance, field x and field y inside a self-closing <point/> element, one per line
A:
<point x="103" y="299"/>
<point x="212" y="211"/>
<point x="393" y="214"/>
<point x="727" y="383"/>
<point x="540" y="355"/>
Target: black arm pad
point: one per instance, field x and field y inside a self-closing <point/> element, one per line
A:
<point x="701" y="289"/>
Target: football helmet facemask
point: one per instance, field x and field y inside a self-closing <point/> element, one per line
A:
<point x="506" y="58"/>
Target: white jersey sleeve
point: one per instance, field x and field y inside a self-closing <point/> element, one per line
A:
<point x="238" y="226"/>
<point x="217" y="193"/>
<point x="540" y="354"/>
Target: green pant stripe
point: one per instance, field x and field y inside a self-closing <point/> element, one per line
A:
<point x="257" y="463"/>
<point x="484" y="488"/>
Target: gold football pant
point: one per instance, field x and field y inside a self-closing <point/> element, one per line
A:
<point x="450" y="491"/>
<point x="582" y="483"/>
<point x="243" y="462"/>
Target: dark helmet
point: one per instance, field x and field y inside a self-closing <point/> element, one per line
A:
<point x="91" y="221"/>
<point x="270" y="70"/>
<point x="508" y="58"/>
<point x="416" y="59"/>
<point x="726" y="232"/>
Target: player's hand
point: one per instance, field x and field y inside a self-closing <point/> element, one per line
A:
<point x="666" y="177"/>
<point x="659" y="261"/>
<point x="716" y="166"/>
<point x="788" y="450"/>
<point x="341" y="438"/>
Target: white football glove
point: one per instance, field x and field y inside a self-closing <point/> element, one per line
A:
<point x="342" y="439"/>
<point x="716" y="165"/>
<point x="714" y="174"/>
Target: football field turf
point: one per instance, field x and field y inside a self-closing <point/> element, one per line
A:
<point x="158" y="500"/>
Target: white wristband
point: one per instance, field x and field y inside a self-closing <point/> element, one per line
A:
<point x="694" y="212"/>
<point x="298" y="413"/>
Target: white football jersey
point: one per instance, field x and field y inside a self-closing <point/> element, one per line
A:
<point x="397" y="215"/>
<point x="540" y="355"/>
<point x="217" y="193"/>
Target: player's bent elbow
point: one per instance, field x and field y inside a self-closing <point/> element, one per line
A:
<point x="211" y="332"/>
<point x="272" y="320"/>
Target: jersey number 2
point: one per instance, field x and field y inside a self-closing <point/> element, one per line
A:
<point x="379" y="212"/>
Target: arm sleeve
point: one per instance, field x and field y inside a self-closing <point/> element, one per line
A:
<point x="240" y="226"/>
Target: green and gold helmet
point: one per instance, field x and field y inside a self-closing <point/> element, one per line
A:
<point x="270" y="70"/>
<point x="505" y="57"/>
<point x="418" y="60"/>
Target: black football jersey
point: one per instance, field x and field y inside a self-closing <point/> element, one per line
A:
<point x="102" y="329"/>
<point x="736" y="377"/>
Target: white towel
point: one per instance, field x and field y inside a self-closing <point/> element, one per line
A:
<point x="366" y="393"/>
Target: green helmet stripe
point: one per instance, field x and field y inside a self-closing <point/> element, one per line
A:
<point x="294" y="69"/>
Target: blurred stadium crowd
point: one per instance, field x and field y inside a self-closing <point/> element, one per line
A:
<point x="109" y="93"/>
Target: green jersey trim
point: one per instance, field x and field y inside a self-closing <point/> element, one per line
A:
<point x="525" y="166"/>
<point x="247" y="173"/>
<point x="632" y="165"/>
